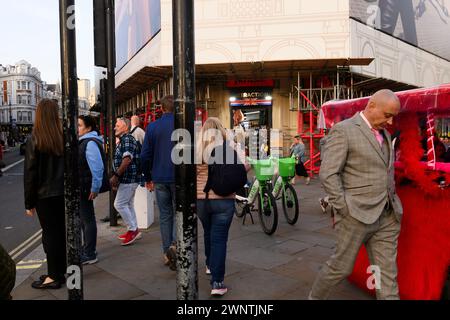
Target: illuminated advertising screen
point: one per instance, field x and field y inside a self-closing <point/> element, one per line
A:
<point x="137" y="21"/>
<point x="422" y="23"/>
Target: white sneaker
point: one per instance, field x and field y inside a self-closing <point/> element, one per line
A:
<point x="308" y="180"/>
<point x="208" y="272"/>
<point x="218" y="289"/>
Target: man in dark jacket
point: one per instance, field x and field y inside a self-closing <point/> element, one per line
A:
<point x="7" y="275"/>
<point x="159" y="172"/>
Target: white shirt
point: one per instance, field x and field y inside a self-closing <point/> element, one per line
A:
<point x="138" y="134"/>
<point x="365" y="119"/>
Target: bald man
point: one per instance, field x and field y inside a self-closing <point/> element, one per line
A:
<point x="136" y="131"/>
<point x="358" y="175"/>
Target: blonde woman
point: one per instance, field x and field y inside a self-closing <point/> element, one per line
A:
<point x="215" y="212"/>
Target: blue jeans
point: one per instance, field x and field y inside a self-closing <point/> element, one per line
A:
<point x="165" y="197"/>
<point x="216" y="217"/>
<point x="89" y="226"/>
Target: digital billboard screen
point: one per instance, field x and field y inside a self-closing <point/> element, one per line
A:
<point x="422" y="23"/>
<point x="137" y="21"/>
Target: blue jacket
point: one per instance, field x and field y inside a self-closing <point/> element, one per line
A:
<point x="94" y="160"/>
<point x="156" y="161"/>
<point x="298" y="150"/>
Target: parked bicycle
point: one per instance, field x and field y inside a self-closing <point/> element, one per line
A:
<point x="261" y="190"/>
<point x="283" y="186"/>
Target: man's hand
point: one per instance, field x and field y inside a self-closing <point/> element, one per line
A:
<point x="31" y="212"/>
<point x="114" y="182"/>
<point x="150" y="186"/>
<point x="92" y="196"/>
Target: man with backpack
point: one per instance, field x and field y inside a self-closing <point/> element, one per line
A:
<point x="136" y="130"/>
<point x="159" y="173"/>
<point x="93" y="180"/>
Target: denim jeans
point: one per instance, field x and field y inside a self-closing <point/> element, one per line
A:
<point x="216" y="217"/>
<point x="124" y="204"/>
<point x="89" y="226"/>
<point x="165" y="196"/>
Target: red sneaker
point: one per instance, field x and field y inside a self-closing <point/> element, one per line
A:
<point x="123" y="236"/>
<point x="131" y="237"/>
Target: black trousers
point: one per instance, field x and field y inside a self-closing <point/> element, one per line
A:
<point x="52" y="219"/>
<point x="89" y="226"/>
<point x="300" y="169"/>
<point x="391" y="10"/>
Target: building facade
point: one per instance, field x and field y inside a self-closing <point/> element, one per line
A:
<point x="21" y="90"/>
<point x="277" y="61"/>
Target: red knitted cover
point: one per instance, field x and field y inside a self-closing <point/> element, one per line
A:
<point x="423" y="254"/>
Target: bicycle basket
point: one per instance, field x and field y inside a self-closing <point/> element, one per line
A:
<point x="286" y="167"/>
<point x="264" y="169"/>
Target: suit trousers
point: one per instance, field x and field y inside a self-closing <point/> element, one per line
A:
<point x="380" y="239"/>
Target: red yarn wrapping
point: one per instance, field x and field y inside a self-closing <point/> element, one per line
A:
<point x="423" y="255"/>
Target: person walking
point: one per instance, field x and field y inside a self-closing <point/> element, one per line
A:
<point x="91" y="170"/>
<point x="357" y="174"/>
<point x="297" y="150"/>
<point x="215" y="211"/>
<point x="126" y="178"/>
<point x="44" y="190"/>
<point x="159" y="173"/>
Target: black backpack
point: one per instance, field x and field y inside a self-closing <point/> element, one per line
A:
<point x="225" y="179"/>
<point x="105" y="180"/>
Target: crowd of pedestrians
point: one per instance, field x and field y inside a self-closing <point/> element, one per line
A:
<point x="144" y="158"/>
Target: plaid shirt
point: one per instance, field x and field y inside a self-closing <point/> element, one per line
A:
<point x="128" y="147"/>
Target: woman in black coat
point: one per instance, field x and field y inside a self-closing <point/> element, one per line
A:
<point x="44" y="190"/>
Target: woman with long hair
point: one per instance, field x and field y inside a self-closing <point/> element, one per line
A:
<point x="44" y="189"/>
<point x="215" y="212"/>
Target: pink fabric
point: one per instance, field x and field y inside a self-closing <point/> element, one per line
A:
<point x="378" y="136"/>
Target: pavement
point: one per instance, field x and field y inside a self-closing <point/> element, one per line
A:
<point x="259" y="267"/>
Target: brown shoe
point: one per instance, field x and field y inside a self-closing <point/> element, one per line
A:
<point x="172" y="256"/>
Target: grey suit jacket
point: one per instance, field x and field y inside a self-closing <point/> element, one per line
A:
<point x="355" y="173"/>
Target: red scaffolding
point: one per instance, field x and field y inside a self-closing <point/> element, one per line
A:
<point x="310" y="135"/>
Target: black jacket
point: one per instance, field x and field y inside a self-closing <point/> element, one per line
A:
<point x="43" y="175"/>
<point x="7" y="274"/>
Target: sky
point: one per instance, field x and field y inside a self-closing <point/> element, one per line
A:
<point x="29" y="30"/>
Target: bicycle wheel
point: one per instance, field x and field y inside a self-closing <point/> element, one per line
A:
<point x="240" y="208"/>
<point x="268" y="214"/>
<point x="290" y="204"/>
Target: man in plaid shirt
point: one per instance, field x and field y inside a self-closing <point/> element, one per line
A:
<point x="126" y="178"/>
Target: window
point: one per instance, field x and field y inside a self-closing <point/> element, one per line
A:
<point x="19" y="116"/>
<point x="30" y="119"/>
<point x="28" y="99"/>
<point x="18" y="85"/>
<point x="19" y="100"/>
<point x="24" y="85"/>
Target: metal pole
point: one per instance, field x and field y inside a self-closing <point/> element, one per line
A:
<point x="184" y="103"/>
<point x="111" y="100"/>
<point x="70" y="119"/>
